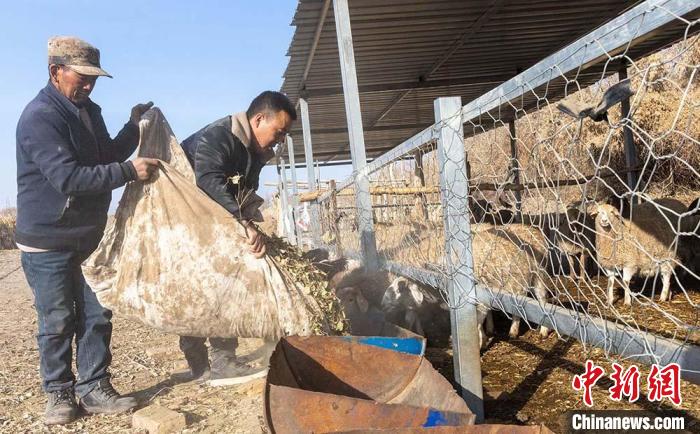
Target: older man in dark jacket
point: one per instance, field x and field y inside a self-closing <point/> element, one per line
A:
<point x="67" y="166"/>
<point x="227" y="156"/>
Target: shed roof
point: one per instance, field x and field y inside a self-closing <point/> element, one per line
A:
<point x="410" y="52"/>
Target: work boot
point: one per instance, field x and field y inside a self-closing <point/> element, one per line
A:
<point x="61" y="408"/>
<point x="197" y="356"/>
<point x="199" y="366"/>
<point x="104" y="399"/>
<point x="224" y="364"/>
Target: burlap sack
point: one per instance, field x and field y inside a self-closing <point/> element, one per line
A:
<point x="177" y="261"/>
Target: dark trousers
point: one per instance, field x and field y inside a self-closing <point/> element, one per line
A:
<point x="197" y="354"/>
<point x="66" y="308"/>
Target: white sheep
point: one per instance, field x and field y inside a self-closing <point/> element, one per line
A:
<point x="416" y="308"/>
<point x="404" y="298"/>
<point x="511" y="258"/>
<point x="646" y="244"/>
<point x="575" y="237"/>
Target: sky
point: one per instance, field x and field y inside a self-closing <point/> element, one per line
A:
<point x="197" y="61"/>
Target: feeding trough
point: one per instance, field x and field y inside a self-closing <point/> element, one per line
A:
<point x="335" y="384"/>
<point x="472" y="429"/>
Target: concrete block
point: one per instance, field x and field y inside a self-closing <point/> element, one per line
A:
<point x="158" y="420"/>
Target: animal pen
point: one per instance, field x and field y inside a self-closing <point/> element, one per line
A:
<point x="520" y="145"/>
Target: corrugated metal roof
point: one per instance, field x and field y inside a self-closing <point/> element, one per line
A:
<point x="408" y="53"/>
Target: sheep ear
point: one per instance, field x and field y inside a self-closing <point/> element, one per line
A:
<point x="416" y="293"/>
<point x="362" y="303"/>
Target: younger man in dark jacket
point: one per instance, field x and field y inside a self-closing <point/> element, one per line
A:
<point x="227" y="156"/>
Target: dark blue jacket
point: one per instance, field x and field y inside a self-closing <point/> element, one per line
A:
<point x="65" y="175"/>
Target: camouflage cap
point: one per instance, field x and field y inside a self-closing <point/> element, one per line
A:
<point x="76" y="53"/>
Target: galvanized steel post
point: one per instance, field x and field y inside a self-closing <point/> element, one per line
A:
<point x="630" y="150"/>
<point x="351" y="96"/>
<point x="286" y="209"/>
<point x="294" y="200"/>
<point x="310" y="173"/>
<point x="515" y="166"/>
<point x="454" y="189"/>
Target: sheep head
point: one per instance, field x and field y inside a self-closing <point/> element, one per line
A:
<point x="352" y="300"/>
<point x="402" y="293"/>
<point x="606" y="216"/>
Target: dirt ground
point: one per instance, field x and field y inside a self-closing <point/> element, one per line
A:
<point x="530" y="376"/>
<point x="528" y="380"/>
<point x="146" y="365"/>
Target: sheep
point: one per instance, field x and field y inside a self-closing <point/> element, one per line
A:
<point x="368" y="303"/>
<point x="404" y="297"/>
<point x="316" y="255"/>
<point x="622" y="204"/>
<point x="511" y="258"/>
<point x="482" y="211"/>
<point x="689" y="243"/>
<point x="570" y="233"/>
<point x="642" y="245"/>
<point x="372" y="284"/>
<point x="694" y="207"/>
<point x="363" y="318"/>
<point x="360" y="294"/>
<point x="575" y="237"/>
<point x="418" y="309"/>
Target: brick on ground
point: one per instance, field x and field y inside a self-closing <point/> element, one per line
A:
<point x="158" y="420"/>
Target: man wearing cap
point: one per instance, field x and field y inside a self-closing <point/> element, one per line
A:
<point x="67" y="167"/>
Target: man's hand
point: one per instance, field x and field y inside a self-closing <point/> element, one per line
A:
<point x="138" y="110"/>
<point x="144" y="167"/>
<point x="256" y="242"/>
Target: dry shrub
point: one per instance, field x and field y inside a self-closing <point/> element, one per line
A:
<point x="553" y="146"/>
<point x="8" y="221"/>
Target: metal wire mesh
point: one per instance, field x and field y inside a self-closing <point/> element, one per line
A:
<point x="583" y="210"/>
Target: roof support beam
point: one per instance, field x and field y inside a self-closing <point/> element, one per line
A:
<point x="463" y="38"/>
<point x="377" y="128"/>
<point x="314" y="44"/>
<point x="409" y="85"/>
<point x="334" y="153"/>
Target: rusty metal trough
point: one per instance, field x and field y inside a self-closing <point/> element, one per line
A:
<point x="335" y="384"/>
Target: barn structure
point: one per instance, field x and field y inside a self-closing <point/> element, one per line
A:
<point x="375" y="81"/>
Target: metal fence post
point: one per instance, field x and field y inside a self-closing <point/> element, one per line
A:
<point x="351" y="96"/>
<point x="419" y="174"/>
<point x="287" y="211"/>
<point x="311" y="175"/>
<point x="454" y="189"/>
<point x="515" y="166"/>
<point x="334" y="219"/>
<point x="630" y="150"/>
<point x="294" y="200"/>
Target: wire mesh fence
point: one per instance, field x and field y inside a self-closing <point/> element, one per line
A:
<point x="610" y="221"/>
<point x="581" y="190"/>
